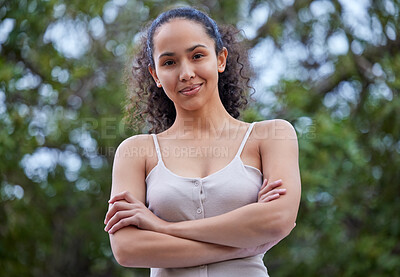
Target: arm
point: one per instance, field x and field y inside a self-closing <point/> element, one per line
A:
<point x="260" y="223"/>
<point x="256" y="223"/>
<point x="140" y="248"/>
<point x="133" y="247"/>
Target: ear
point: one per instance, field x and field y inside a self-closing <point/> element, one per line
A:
<point x="222" y="56"/>
<point x="154" y="74"/>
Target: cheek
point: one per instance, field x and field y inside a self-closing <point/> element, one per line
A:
<point x="208" y="71"/>
<point x="169" y="83"/>
<point x="167" y="78"/>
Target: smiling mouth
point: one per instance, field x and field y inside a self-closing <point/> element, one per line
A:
<point x="191" y="90"/>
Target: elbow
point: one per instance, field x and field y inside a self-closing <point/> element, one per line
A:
<point x="122" y="258"/>
<point x="278" y="226"/>
<point x="124" y="254"/>
<point x="121" y="255"/>
<point x="285" y="226"/>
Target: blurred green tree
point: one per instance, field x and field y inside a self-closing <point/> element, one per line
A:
<point x="329" y="67"/>
<point x="339" y="88"/>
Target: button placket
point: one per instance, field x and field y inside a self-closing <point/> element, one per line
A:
<point x="197" y="186"/>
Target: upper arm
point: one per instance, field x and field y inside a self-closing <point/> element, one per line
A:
<point x="128" y="175"/>
<point x="129" y="168"/>
<point x="279" y="155"/>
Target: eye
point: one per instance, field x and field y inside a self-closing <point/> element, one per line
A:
<point x="198" y="56"/>
<point x="168" y="63"/>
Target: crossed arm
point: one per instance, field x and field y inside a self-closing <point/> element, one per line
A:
<point x="148" y="247"/>
<point x="140" y="239"/>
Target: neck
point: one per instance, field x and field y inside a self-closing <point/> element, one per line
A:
<point x="210" y="120"/>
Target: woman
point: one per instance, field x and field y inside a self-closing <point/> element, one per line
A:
<point x="191" y="200"/>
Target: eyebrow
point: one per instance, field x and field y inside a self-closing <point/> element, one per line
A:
<point x="170" y="54"/>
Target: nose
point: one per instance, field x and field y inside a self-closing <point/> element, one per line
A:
<point x="186" y="72"/>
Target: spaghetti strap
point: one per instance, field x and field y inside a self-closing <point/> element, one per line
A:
<point x="157" y="147"/>
<point x="246" y="136"/>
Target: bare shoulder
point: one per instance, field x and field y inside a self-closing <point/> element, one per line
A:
<point x="275" y="129"/>
<point x="136" y="140"/>
<point x="275" y="136"/>
<point x="137" y="146"/>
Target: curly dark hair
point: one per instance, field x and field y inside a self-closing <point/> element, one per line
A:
<point x="146" y="99"/>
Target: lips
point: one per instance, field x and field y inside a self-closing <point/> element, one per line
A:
<point x="191" y="90"/>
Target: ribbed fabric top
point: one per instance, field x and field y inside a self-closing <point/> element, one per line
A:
<point x="176" y="198"/>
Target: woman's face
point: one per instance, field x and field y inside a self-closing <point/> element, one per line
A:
<point x="186" y="65"/>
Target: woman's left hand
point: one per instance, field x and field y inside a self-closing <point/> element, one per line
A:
<point x="270" y="191"/>
<point x="125" y="210"/>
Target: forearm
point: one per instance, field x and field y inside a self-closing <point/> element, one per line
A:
<point x="133" y="247"/>
<point x="249" y="226"/>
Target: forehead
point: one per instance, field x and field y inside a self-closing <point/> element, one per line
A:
<point x="180" y="34"/>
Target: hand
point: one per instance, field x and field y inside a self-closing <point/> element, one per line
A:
<point x="270" y="192"/>
<point x="125" y="210"/>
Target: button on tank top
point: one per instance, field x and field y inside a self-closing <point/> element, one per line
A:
<point x="176" y="198"/>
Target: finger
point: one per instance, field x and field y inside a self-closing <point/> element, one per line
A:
<point x="264" y="184"/>
<point x="270" y="187"/>
<point x="269" y="198"/>
<point x="118" y="216"/>
<point x="121" y="224"/>
<point x="276" y="191"/>
<point x="125" y="195"/>
<point x="275" y="184"/>
<point x="117" y="206"/>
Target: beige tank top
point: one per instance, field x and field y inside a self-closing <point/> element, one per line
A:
<point x="176" y="198"/>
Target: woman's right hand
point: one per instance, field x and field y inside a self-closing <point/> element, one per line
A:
<point x="269" y="192"/>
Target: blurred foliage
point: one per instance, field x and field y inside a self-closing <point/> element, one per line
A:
<point x="61" y="91"/>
